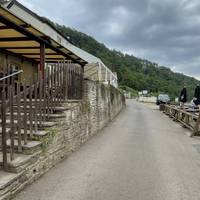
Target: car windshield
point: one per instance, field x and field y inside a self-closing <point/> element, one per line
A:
<point x="163" y="96"/>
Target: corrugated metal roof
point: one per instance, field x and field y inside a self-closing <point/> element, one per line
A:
<point x="83" y="54"/>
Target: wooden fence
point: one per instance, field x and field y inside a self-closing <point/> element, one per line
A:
<point x="185" y="116"/>
<point x="23" y="107"/>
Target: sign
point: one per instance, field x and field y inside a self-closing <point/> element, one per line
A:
<point x="144" y="92"/>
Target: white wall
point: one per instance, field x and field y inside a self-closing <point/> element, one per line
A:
<point x="147" y="99"/>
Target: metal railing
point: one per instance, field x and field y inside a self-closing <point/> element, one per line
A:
<point x="11" y="75"/>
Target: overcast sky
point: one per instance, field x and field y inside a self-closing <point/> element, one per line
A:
<point x="163" y="31"/>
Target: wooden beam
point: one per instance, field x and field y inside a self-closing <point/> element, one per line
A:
<point x="7" y="27"/>
<point x="50" y="58"/>
<point x="19" y="47"/>
<point x="30" y="35"/>
<point x="35" y="54"/>
<point x="53" y="61"/>
<point x="19" y="55"/>
<point x="15" y="39"/>
<point x="80" y="60"/>
<point x="4" y="27"/>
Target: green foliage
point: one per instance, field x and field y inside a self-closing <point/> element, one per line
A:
<point x="133" y="72"/>
<point x="134" y="93"/>
<point x="47" y="140"/>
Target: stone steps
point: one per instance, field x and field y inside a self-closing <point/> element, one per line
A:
<point x="29" y="148"/>
<point x="8" y="181"/>
<point x="36" y="135"/>
<point x="43" y="125"/>
<point x="20" y="162"/>
<point x="50" y="116"/>
<point x="56" y="109"/>
<point x="32" y="151"/>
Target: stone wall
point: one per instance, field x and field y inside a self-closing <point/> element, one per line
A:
<point x="82" y="120"/>
<point x="104" y="103"/>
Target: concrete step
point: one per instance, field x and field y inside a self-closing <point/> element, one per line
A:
<point x="42" y="126"/>
<point x="50" y="116"/>
<point x="29" y="148"/>
<point x="36" y="135"/>
<point x="56" y="109"/>
<point x="63" y="101"/>
<point x="7" y="183"/>
<point x="19" y="163"/>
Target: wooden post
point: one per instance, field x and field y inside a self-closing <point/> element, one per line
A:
<point x="31" y="110"/>
<point x="11" y="94"/>
<point x="36" y="105"/>
<point x="42" y="58"/>
<point x="4" y="137"/>
<point x="19" y="120"/>
<point x="25" y="114"/>
<point x="196" y="127"/>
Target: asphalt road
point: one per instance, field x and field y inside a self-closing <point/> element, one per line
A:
<point x="141" y="155"/>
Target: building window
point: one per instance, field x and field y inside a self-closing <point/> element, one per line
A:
<point x="14" y="68"/>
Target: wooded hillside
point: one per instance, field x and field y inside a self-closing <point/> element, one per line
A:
<point x="133" y="73"/>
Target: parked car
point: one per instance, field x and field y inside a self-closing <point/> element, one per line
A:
<point x="163" y="99"/>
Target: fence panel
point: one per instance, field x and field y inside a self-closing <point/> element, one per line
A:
<point x="23" y="107"/>
<point x="186" y="118"/>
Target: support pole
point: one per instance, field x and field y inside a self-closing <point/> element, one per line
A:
<point x="196" y="127"/>
<point x="42" y="58"/>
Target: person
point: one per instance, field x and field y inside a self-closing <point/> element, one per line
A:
<point x="196" y="101"/>
<point x="183" y="96"/>
<point x="196" y="98"/>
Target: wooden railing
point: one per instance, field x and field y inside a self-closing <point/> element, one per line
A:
<point x="186" y="117"/>
<point x="25" y="106"/>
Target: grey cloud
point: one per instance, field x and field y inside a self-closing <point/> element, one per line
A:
<point x="166" y="31"/>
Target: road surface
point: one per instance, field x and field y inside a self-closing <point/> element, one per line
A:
<point x="141" y="155"/>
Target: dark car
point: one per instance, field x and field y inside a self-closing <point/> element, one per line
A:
<point x="163" y="99"/>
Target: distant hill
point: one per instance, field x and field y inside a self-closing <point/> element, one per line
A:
<point x="134" y="73"/>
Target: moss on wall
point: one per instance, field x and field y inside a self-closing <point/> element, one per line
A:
<point x="47" y="140"/>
